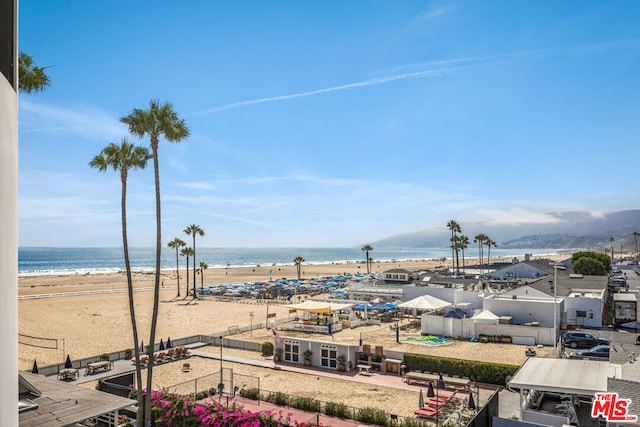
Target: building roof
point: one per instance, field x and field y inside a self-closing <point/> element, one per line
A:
<point x="62" y="404"/>
<point x="582" y="377"/>
<point x="397" y="270"/>
<point x="566" y="284"/>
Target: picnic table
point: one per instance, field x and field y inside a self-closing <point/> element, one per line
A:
<point x="68" y="374"/>
<point x="364" y="369"/>
<point x="103" y="365"/>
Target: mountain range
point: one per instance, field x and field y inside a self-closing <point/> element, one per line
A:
<point x="564" y="230"/>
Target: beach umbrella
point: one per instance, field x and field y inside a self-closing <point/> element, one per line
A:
<point x="420" y="400"/>
<point x="440" y="382"/>
<point x="430" y="392"/>
<point x="142" y="346"/>
<point x="161" y="345"/>
<point x="471" y="404"/>
<point x="34" y="370"/>
<point x="168" y="342"/>
<point x="67" y="363"/>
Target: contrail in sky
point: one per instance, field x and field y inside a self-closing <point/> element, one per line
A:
<point x="371" y="82"/>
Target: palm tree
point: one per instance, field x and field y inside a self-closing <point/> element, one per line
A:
<point x="177" y="244"/>
<point x="611" y="239"/>
<point x="490" y="243"/>
<point x="455" y="228"/>
<point x="192" y="230"/>
<point x="187" y="252"/>
<point x="463" y="243"/>
<point x="479" y="239"/>
<point x="635" y="237"/>
<point x="159" y="120"/>
<point x="125" y="157"/>
<point x="367" y="249"/>
<point x="203" y="267"/>
<point x="298" y="262"/>
<point x="31" y="78"/>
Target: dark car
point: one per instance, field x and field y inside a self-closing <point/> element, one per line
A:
<point x="583" y="340"/>
<point x="599" y="351"/>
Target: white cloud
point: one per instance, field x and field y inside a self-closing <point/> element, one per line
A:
<point x="516" y="216"/>
<point x="371" y="82"/>
<point x="87" y="121"/>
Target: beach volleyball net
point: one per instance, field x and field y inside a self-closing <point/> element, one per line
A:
<point x="40" y="342"/>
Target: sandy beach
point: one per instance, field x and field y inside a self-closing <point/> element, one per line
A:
<point x="97" y="323"/>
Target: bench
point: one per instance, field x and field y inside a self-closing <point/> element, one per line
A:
<point x="427" y="412"/>
<point x="364" y="370"/>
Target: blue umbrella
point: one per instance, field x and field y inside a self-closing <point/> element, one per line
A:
<point x="67" y="363"/>
<point x="168" y="342"/>
<point x="161" y="345"/>
<point x="142" y="346"/>
<point x="34" y="370"/>
<point x="471" y="404"/>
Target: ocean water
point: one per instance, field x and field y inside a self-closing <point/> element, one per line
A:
<point x="42" y="261"/>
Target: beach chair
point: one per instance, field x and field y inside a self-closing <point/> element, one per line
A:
<point x="170" y="353"/>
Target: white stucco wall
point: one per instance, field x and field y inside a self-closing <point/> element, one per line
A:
<point x="8" y="253"/>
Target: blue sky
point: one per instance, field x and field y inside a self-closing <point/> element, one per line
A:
<point x="330" y="123"/>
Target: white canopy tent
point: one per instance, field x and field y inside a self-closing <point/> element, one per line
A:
<point x="486" y="317"/>
<point x="425" y="302"/>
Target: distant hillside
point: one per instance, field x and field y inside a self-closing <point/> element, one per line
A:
<point x="571" y="230"/>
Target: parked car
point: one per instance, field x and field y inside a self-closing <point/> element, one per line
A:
<point x="599" y="351"/>
<point x="583" y="340"/>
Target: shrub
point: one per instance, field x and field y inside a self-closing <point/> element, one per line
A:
<point x="485" y="372"/>
<point x="250" y="393"/>
<point x="104" y="357"/>
<point x="267" y="348"/>
<point x="277" y="398"/>
<point x="128" y="353"/>
<point x="372" y="416"/>
<point x="308" y="404"/>
<point x="339" y="410"/>
<point x="412" y="422"/>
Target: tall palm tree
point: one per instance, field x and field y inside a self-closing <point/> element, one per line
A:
<point x="635" y="237"/>
<point x="159" y="120"/>
<point x="194" y="230"/>
<point x="203" y="267"/>
<point x="177" y="244"/>
<point x="125" y="157"/>
<point x="479" y="239"/>
<point x="31" y="78"/>
<point x="611" y="239"/>
<point x="490" y="243"/>
<point x="298" y="262"/>
<point x="463" y="243"/>
<point x="455" y="228"/>
<point x="367" y="249"/>
<point x="187" y="252"/>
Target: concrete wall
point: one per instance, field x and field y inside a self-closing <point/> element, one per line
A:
<point x="468" y="328"/>
<point x="525" y="310"/>
<point x="592" y="306"/>
<point x="8" y="222"/>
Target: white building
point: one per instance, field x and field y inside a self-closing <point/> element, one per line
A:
<point x="9" y="212"/>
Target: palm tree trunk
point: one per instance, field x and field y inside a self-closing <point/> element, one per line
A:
<point x="132" y="312"/>
<point x="187" y="256"/>
<point x="156" y="287"/>
<point x="178" y="270"/>
<point x="194" y="265"/>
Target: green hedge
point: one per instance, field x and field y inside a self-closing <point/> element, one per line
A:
<point x="484" y="372"/>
